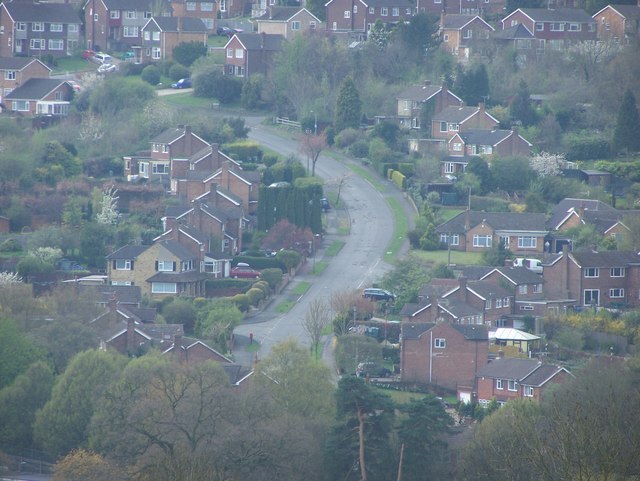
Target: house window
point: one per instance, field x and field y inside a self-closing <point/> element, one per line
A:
<point x="504" y="240"/>
<point x="223" y="5"/>
<point x="155" y="53"/>
<point x="147" y="36"/>
<point x="206" y="6"/>
<point x="37" y="44"/>
<point x="114" y="14"/>
<point x="20" y="105"/>
<point x="130" y="14"/>
<point x="439" y="343"/>
<point x="443" y="126"/>
<point x="239" y="53"/>
<point x="527" y="242"/>
<point x="617" y="272"/>
<point x="148" y="15"/>
<point x="129" y="31"/>
<point x="457" y="146"/>
<point x="191" y="6"/>
<point x="467" y="34"/>
<point x="372" y="10"/>
<point x="56" y="44"/>
<point x="142" y="167"/>
<point x="21" y="26"/>
<point x="395" y="12"/>
<point x="155" y="147"/>
<point x="499" y="384"/>
<point x="208" y="22"/>
<point x="166" y="266"/>
<point x="229" y="53"/>
<point x="37" y="26"/>
<point x="156" y="36"/>
<point x="95" y="17"/>
<point x="575" y="27"/>
<point x="537" y="288"/>
<point x="334" y="26"/>
<point x="592" y="272"/>
<point x="121" y="283"/>
<point x="616" y="293"/>
<point x="513" y="386"/>
<point x="453" y="238"/>
<point x="9" y="74"/>
<point x="384" y="11"/>
<point x="449" y="168"/>
<point x="73" y="28"/>
<point x="539" y="27"/>
<point x="295" y="25"/>
<point x="164" y="288"/>
<point x="528" y="391"/>
<point x="165" y="147"/>
<point x="56" y="27"/>
<point x="498" y="303"/>
<point x="312" y="24"/>
<point x="122" y="264"/>
<point x="355" y="9"/>
<point x="557" y="27"/>
<point x="347" y="14"/>
<point x="482" y="240"/>
<point x="160" y="168"/>
<point x="505" y="302"/>
<point x="487" y="304"/>
<point x="522" y="289"/>
<point x="453" y="127"/>
<point x="591" y="297"/>
<point x="527" y="307"/>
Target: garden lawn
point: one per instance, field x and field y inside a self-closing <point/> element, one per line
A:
<point x="441" y="256"/>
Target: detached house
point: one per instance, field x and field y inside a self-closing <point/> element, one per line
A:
<point x="15" y="71"/>
<point x="250" y="53"/>
<point x="33" y="29"/>
<point x="160" y="35"/>
<point x="506" y="379"/>
<point x="354" y="19"/>
<point x="40" y="96"/>
<point x="471" y="231"/>
<point x="454" y="119"/>
<point x="413" y="99"/>
<point x="205" y="10"/>
<point x="117" y="24"/>
<point x="618" y="23"/>
<point x="553" y="29"/>
<point x="463" y="146"/>
<point x="447" y="355"/>
<point x="288" y="21"/>
<point x="463" y="35"/>
<point x="483" y="8"/>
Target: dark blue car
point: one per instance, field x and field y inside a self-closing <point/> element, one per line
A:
<point x="183" y="83"/>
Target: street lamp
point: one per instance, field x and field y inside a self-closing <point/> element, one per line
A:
<point x="315" y="122"/>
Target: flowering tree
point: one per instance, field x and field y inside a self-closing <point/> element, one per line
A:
<point x="108" y="207"/>
<point x="546" y="164"/>
<point x="8" y="278"/>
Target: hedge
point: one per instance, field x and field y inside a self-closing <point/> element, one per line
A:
<point x="259" y="263"/>
<point x="398" y="178"/>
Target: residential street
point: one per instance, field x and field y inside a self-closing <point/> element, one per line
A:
<point x="356" y="266"/>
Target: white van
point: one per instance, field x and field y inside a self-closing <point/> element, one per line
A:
<point x="534" y="265"/>
<point x="101" y="58"/>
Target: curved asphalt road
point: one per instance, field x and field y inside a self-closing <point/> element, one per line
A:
<point x="357" y="265"/>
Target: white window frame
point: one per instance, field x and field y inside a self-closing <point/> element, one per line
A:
<point x="443" y="127"/>
<point x="130" y="14"/>
<point x="527" y="242"/>
<point x="165" y="147"/>
<point x="239" y="53"/>
<point x="156" y="170"/>
<point x="452" y="127"/>
<point x="295" y="25"/>
<point x="449" y="168"/>
<point x="155" y="36"/>
<point x="439" y="343"/>
<point x="165" y="266"/>
<point x="467" y="34"/>
<point x="455" y="239"/>
<point x="123" y="264"/>
<point x="130" y="31"/>
<point x="55" y="27"/>
<point x="537" y="288"/>
<point x="164" y="288"/>
<point x="522" y="289"/>
<point x="456" y="146"/>
<point x="616" y="293"/>
<point x="575" y="27"/>
<point x="372" y="10"/>
<point x="206" y="7"/>
<point x="347" y="14"/>
<point x="73" y="28"/>
<point x="512" y="385"/>
<point x="190" y="6"/>
<point x="355" y="9"/>
<point x="156" y="53"/>
<point x="56" y="44"/>
<point x="500" y="384"/>
<point x="21" y="27"/>
<point x="384" y="11"/>
<point x="395" y="12"/>
<point x="590" y="292"/>
<point x="591" y="272"/>
<point x="115" y="14"/>
<point x="528" y="391"/>
<point x="498" y="303"/>
<point x="487" y="241"/>
<point x="39" y="41"/>
<point x="9" y="74"/>
<point x="506" y="302"/>
<point x="556" y="27"/>
<point x="539" y="27"/>
<point x="37" y="27"/>
<point x="617" y="272"/>
<point x="20" y="105"/>
<point x="230" y="52"/>
<point x="147" y="35"/>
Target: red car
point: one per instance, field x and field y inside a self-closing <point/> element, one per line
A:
<point x="88" y="54"/>
<point x="243" y="271"/>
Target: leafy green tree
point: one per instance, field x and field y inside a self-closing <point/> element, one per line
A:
<point x="178" y="71"/>
<point x="82" y="464"/>
<point x="512" y="174"/>
<point x="361" y="436"/>
<point x="480" y="169"/>
<point x="379" y="35"/>
<point x="521" y="108"/>
<point x="217" y="320"/>
<point x="418" y="35"/>
<point x="423" y="430"/>
<point x="20" y="401"/>
<point x="387" y="131"/>
<point x="117" y="94"/>
<point x="151" y="75"/>
<point x="188" y="52"/>
<point x="352" y="349"/>
<point x="181" y="311"/>
<point x="31" y="266"/>
<point x="472" y="84"/>
<point x="62" y="424"/>
<point x="348" y="106"/>
<point x="211" y="83"/>
<point x="496" y="255"/>
<point x="251" y="96"/>
<point x="68" y="334"/>
<point x="93" y="241"/>
<point x="626" y="136"/>
<point x="406" y="279"/>
<point x="442" y="271"/>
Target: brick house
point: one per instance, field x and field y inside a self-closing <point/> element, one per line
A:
<point x="553" y="29"/>
<point x="488" y="144"/>
<point x="288" y="21"/>
<point x="442" y="354"/>
<point x="40" y="96"/>
<point x="471" y="231"/>
<point x="205" y="10"/>
<point x="607" y="279"/>
<point x="355" y="18"/>
<point x="34" y="29"/>
<point x="15" y="71"/>
<point x="484" y="8"/>
<point x="160" y="35"/>
<point x="618" y="23"/>
<point x="250" y="53"/>
<point x="414" y="98"/>
<point x="117" y="24"/>
<point x="463" y="35"/>
<point x="506" y="379"/>
<point x="454" y="119"/>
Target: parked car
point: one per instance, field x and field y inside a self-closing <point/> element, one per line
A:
<point x="107" y="68"/>
<point x="183" y="83"/>
<point x="325" y="204"/>
<point x="128" y="55"/>
<point x="228" y="31"/>
<point x="88" y="54"/>
<point x="101" y="57"/>
<point x="76" y="86"/>
<point x="371" y="369"/>
<point x="378" y="294"/>
<point x="244" y="271"/>
<point x="534" y="265"/>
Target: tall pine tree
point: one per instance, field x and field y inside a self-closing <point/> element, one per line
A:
<point x="626" y="136"/>
<point x="348" y="106"/>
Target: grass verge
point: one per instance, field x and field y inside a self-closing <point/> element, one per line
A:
<point x="284" y="307"/>
<point x="301" y="287"/>
<point x="400" y="229"/>
<point x="319" y="267"/>
<point x="334" y="248"/>
<point x="457" y="257"/>
<point x="368" y="176"/>
<point x="253" y="347"/>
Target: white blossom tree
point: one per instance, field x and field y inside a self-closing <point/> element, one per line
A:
<point x="546" y="164"/>
<point x="8" y="278"/>
<point x="108" y="207"/>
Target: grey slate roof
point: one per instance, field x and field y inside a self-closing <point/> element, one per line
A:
<point x="457" y="20"/>
<point x="42" y="12"/>
<point x="520" y="275"/>
<point x="437" y="287"/>
<point x="16" y="63"/>
<point x="176" y="210"/>
<point x="261" y="41"/>
<point x="190" y="276"/>
<point x="413" y="331"/>
<point x="473" y="332"/>
<point x="168" y="136"/>
<point x="137" y="5"/>
<point x="517" y="32"/>
<point x="475" y="272"/>
<point x="606" y="258"/>
<point x="419" y="93"/>
<point x="559" y="15"/>
<point x="191" y="231"/>
<point x="281" y="14"/>
<point x="35" y="89"/>
<point x="459" y="308"/>
<point x="127" y="252"/>
<point x="145" y="314"/>
<point x="515" y="369"/>
<point x="561" y="210"/>
<point x="512" y="221"/>
<point x="485" y="137"/>
<point x="455" y="114"/>
<point x="177" y="249"/>
<point x="187" y="24"/>
<point x="488" y="289"/>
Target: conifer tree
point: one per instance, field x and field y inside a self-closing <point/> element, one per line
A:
<point x="626" y="136"/>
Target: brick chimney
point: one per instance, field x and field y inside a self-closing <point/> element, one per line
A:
<point x="463" y="288"/>
<point x="433" y="310"/>
<point x="263" y="36"/>
<point x="131" y="336"/>
<point x="179" y="352"/>
<point x="188" y="140"/>
<point x="213" y="194"/>
<point x="514" y="140"/>
<point x="170" y="222"/>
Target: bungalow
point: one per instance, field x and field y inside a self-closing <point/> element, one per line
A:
<point x="287" y="21"/>
<point x="15" y="71"/>
<point x="40" y="96"/>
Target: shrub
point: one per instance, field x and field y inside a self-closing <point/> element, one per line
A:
<point x="10" y="245"/>
<point x="129" y="68"/>
<point x="177" y="71"/>
<point x="241" y="301"/>
<point x="347" y="137"/>
<point x="255" y="295"/>
<point x="272" y="276"/>
<point x="587" y="147"/>
<point x="359" y="149"/>
<point x="151" y="75"/>
<point x="264" y="287"/>
<point x="269" y="159"/>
